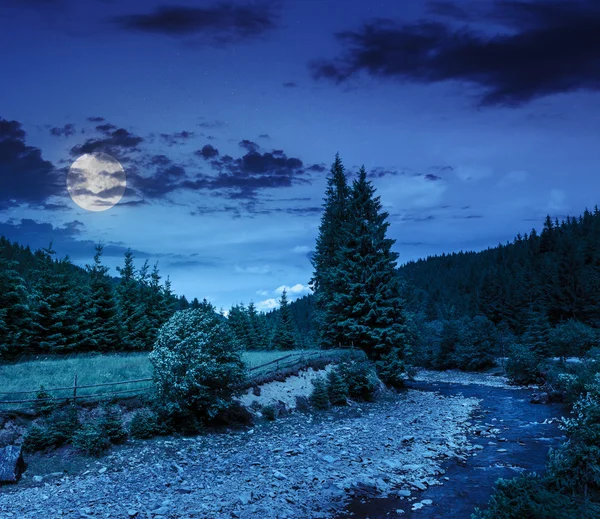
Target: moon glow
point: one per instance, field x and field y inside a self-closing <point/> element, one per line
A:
<point x="96" y="181"/>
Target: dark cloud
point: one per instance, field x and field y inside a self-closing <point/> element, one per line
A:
<point x="66" y="131"/>
<point x="249" y="145"/>
<point x="25" y="177"/>
<point x="119" y="143"/>
<point x="317" y="168"/>
<point x="176" y="138"/>
<point x="222" y="22"/>
<point x="551" y="47"/>
<point x="264" y="136"/>
<point x="290" y="84"/>
<point x="207" y="152"/>
<point x="212" y="125"/>
<point x="95" y="119"/>
<point x="106" y="128"/>
<point x="164" y="181"/>
<point x="66" y="240"/>
<point x="431" y="177"/>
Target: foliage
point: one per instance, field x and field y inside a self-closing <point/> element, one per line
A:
<point x="44" y="403"/>
<point x="522" y="365"/>
<point x="319" y="397"/>
<point x="111" y="423"/>
<point x="37" y="438"/>
<point x="337" y="389"/>
<point x="91" y="439"/>
<point x="284" y="337"/>
<point x="572" y="338"/>
<point x="528" y="497"/>
<point x="197" y="364"/>
<point x="56" y="430"/>
<point x="360" y="378"/>
<point x="144" y="424"/>
<point x="392" y="369"/>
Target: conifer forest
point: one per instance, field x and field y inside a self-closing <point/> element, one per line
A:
<point x="299" y="260"/>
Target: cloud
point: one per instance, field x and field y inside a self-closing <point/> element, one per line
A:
<point x="263" y="293"/>
<point x="432" y="177"/>
<point x="66" y="239"/>
<point x="66" y="131"/>
<point x="207" y="152"/>
<point x="467" y="173"/>
<point x="119" y="143"/>
<point x="95" y="119"/>
<point x="297" y="289"/>
<point x="25" y="177"/>
<point x="176" y="138"/>
<point x="267" y="304"/>
<point x="548" y="48"/>
<point x="290" y="84"/>
<point x="557" y="201"/>
<point x="249" y="145"/>
<point x="301" y="249"/>
<point x="212" y="125"/>
<point x="264" y="136"/>
<point x="260" y="269"/>
<point x="222" y="22"/>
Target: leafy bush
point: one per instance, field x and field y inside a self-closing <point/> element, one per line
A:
<point x="360" y="378"/>
<point x="44" y="403"/>
<point x="38" y="438"/>
<point x="319" y="396"/>
<point x="337" y="390"/>
<point x="522" y="365"/>
<point x="91" y="439"/>
<point x="572" y="338"/>
<point x="112" y="425"/>
<point x="63" y="424"/>
<point x="528" y="497"/>
<point x="197" y="364"/>
<point x="144" y="424"/>
<point x="391" y="369"/>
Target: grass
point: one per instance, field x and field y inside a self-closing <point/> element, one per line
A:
<point x="53" y="372"/>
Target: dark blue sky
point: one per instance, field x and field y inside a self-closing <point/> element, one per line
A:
<point x="474" y="118"/>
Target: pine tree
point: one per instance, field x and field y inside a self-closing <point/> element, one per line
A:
<point x="367" y="309"/>
<point x="337" y="390"/>
<point x="15" y="314"/>
<point x="57" y="311"/>
<point x="258" y="339"/>
<point x="329" y="241"/>
<point x="319" y="397"/>
<point x="240" y="324"/>
<point x="102" y="319"/>
<point x="284" y="337"/>
<point x="131" y="309"/>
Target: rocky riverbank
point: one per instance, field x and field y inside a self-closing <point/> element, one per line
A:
<point x="303" y="465"/>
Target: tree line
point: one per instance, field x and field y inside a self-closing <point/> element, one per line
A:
<point x="50" y="306"/>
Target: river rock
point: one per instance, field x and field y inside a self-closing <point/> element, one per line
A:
<point x="11" y="464"/>
<point x="539" y="398"/>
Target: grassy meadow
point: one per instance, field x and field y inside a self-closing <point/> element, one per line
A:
<point x="55" y="372"/>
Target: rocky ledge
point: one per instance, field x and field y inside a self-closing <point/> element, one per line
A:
<point x="303" y="465"/>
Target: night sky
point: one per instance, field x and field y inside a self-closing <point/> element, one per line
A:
<point x="474" y="119"/>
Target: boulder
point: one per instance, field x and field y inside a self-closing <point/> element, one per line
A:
<point x="539" y="398"/>
<point x="11" y="464"/>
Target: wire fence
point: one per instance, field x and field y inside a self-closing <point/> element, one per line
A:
<point x="80" y="392"/>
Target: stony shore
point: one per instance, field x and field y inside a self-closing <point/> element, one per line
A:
<point x="302" y="465"/>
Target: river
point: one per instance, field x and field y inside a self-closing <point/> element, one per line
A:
<point x="529" y="430"/>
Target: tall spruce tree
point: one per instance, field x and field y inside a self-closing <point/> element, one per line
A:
<point x="57" y="309"/>
<point x="367" y="307"/>
<point x="131" y="308"/>
<point x="15" y="314"/>
<point x="284" y="337"/>
<point x="258" y="333"/>
<point x="102" y="316"/>
<point x="329" y="242"/>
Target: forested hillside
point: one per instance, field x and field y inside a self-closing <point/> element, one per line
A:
<point x="49" y="305"/>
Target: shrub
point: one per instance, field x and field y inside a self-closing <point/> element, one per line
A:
<point x="44" y="403"/>
<point x="63" y="424"/>
<point x="337" y="390"/>
<point x="112" y="425"/>
<point x="144" y="424"/>
<point x="360" y="378"/>
<point x="319" y="397"/>
<point x="391" y="369"/>
<point x="197" y="364"/>
<point x="91" y="439"/>
<point x="522" y="365"/>
<point x="528" y="497"/>
<point x="38" y="438"/>
<point x="572" y="338"/>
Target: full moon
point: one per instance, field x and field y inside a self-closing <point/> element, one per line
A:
<point x="96" y="181"/>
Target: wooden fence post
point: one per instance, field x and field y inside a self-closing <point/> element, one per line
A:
<point x="75" y="389"/>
